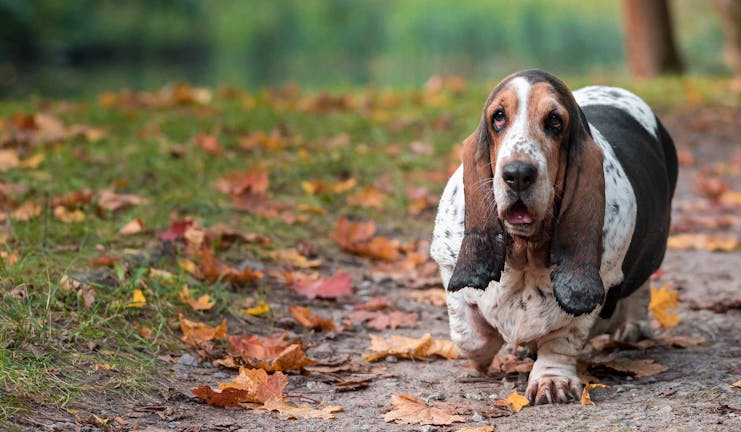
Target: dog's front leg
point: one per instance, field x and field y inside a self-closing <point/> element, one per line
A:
<point x="471" y="333"/>
<point x="553" y="378"/>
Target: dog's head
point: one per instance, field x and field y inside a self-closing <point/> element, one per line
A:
<point x="532" y="173"/>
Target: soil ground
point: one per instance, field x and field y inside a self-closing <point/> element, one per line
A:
<point x="694" y="393"/>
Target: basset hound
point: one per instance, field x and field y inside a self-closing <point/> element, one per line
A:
<point x="549" y="230"/>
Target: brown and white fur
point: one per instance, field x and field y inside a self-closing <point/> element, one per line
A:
<point x="536" y="230"/>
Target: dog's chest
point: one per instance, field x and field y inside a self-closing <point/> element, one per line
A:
<point x="522" y="305"/>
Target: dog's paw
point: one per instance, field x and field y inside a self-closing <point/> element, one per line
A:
<point x="553" y="389"/>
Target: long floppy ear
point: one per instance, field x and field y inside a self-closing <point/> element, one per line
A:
<point x="483" y="250"/>
<point x="576" y="246"/>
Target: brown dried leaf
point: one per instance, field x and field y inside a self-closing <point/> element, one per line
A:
<point x="68" y="216"/>
<point x="259" y="385"/>
<point x="410" y="348"/>
<point x="357" y="237"/>
<point x="229" y="397"/>
<point x="111" y="201"/>
<point x="383" y="320"/>
<point x="709" y="242"/>
<point x="304" y="411"/>
<point x="196" y="332"/>
<point x="370" y="197"/>
<point x="212" y="270"/>
<point x="409" y="409"/>
<point x="307" y="319"/>
<point x="637" y="368"/>
<point x="339" y="284"/>
<point x="209" y="143"/>
<point x="132" y="227"/>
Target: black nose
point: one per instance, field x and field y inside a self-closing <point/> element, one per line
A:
<point x="519" y="175"/>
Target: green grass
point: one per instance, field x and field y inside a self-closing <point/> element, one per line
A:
<point x="50" y="343"/>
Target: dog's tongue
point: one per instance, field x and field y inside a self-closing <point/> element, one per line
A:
<point x="518" y="214"/>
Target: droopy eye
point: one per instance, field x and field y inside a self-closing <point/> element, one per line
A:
<point x="498" y="120"/>
<point x="553" y="123"/>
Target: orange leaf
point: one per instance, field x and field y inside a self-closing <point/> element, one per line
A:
<point x="710" y="242"/>
<point x="337" y="285"/>
<point x="357" y="237"/>
<point x="317" y="187"/>
<point x="204" y="302"/>
<point x="304" y="317"/>
<point x="132" y="227"/>
<point x="293" y="258"/>
<point x="585" y="398"/>
<point x="68" y="216"/>
<point x="514" y="401"/>
<point x="367" y="197"/>
<point x="663" y="299"/>
<point x="410" y="348"/>
<point x="196" y="332"/>
<point x="409" y="409"/>
<point x="433" y="296"/>
<point x="212" y="270"/>
<point x="208" y="143"/>
<point x="259" y="385"/>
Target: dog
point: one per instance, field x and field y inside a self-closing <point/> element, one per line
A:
<point x="549" y="230"/>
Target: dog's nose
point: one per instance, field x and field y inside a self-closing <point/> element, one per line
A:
<point x="519" y="175"/>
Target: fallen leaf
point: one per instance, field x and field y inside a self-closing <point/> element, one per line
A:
<point x="304" y="411"/>
<point x="212" y="270"/>
<point x="375" y="304"/>
<point x="132" y="227"/>
<point x="514" y="401"/>
<point x="663" y="299"/>
<point x="409" y="409"/>
<point x="477" y="429"/>
<point x="510" y="363"/>
<point x="271" y="354"/>
<point x="709" y="242"/>
<point x="208" y="143"/>
<point x="410" y="348"/>
<point x="259" y="385"/>
<point x="722" y="305"/>
<point x="339" y="284"/>
<point x="68" y="216"/>
<point x="8" y="159"/>
<point x="203" y="302"/>
<point x="381" y="320"/>
<point x="737" y="384"/>
<point x="137" y="299"/>
<point x="433" y="296"/>
<point x="229" y="397"/>
<point x="27" y="211"/>
<point x="196" y="332"/>
<point x="317" y="187"/>
<point x="586" y="399"/>
<point x="111" y="201"/>
<point x="683" y="341"/>
<point x="357" y="237"/>
<point x="260" y="309"/>
<point x="307" y="319"/>
<point x="637" y="368"/>
<point x="176" y="230"/>
<point x="292" y="257"/>
<point x="370" y="197"/>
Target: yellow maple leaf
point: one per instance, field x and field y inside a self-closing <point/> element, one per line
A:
<point x="585" y="398"/>
<point x="663" y="299"/>
<point x="514" y="401"/>
<point x="203" y="302"/>
<point x="137" y="299"/>
<point x="260" y="309"/>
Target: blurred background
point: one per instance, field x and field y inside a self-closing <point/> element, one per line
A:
<point x="77" y="47"/>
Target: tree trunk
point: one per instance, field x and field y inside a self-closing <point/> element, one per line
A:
<point x="729" y="13"/>
<point x="649" y="40"/>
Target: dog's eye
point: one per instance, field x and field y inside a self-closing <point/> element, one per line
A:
<point x="553" y="123"/>
<point x="498" y="120"/>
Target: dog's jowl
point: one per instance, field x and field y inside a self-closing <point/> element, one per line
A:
<point x="549" y="230"/>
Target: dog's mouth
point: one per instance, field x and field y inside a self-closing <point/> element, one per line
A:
<point x="518" y="214"/>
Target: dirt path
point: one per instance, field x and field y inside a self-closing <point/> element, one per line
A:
<point x="694" y="393"/>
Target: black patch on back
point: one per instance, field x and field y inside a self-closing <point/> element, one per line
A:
<point x="651" y="167"/>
